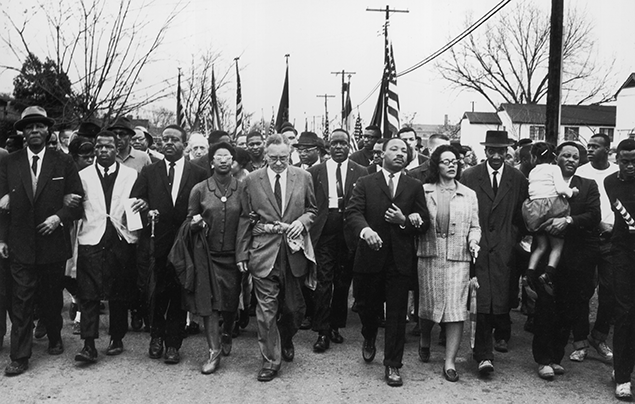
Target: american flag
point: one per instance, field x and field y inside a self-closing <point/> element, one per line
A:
<point x="239" y="104"/>
<point x="386" y="114"/>
<point x="272" y="125"/>
<point x="357" y="134"/>
<point x="180" y="112"/>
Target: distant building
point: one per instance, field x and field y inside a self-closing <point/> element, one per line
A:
<point x="625" y="101"/>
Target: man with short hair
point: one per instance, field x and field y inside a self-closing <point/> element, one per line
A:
<point x="256" y="150"/>
<point x="36" y="180"/>
<point x="291" y="134"/>
<point x="241" y="142"/>
<point x="364" y="156"/>
<point x="308" y="149"/>
<point x="126" y="154"/>
<point x="164" y="188"/>
<point x="435" y="140"/>
<point x="274" y="244"/>
<point x="410" y="136"/>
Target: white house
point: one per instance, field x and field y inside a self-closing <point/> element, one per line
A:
<point x="625" y="100"/>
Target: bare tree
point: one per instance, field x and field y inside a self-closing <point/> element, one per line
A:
<point x="103" y="46"/>
<point x="161" y="117"/>
<point x="507" y="60"/>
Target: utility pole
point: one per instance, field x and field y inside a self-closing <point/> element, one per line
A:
<point x="326" y="111"/>
<point x="552" y="124"/>
<point x="345" y="87"/>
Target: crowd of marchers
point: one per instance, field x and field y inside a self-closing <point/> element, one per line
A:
<point x="280" y="226"/>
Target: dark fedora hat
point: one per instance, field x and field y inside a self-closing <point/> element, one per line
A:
<point x="307" y="139"/>
<point x="496" y="138"/>
<point x="33" y="114"/>
<point x="122" y="123"/>
<point x="88" y="129"/>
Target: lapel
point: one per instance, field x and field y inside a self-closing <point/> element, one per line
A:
<point x="431" y="193"/>
<point x="266" y="187"/>
<point x="348" y="187"/>
<point x="400" y="185"/>
<point x="381" y="183"/>
<point x="291" y="179"/>
<point x="46" y="172"/>
<point x="186" y="175"/>
<point x="211" y="185"/>
<point x="324" y="180"/>
<point x="95" y="181"/>
<point x="25" y="174"/>
<point x="504" y="185"/>
<point x="163" y="168"/>
<point x="485" y="183"/>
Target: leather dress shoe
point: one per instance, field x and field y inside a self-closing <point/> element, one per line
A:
<point x="306" y="323"/>
<point x="501" y="346"/>
<point x="322" y="343"/>
<point x="172" y="356"/>
<point x="226" y="344"/>
<point x="485" y="367"/>
<point x="115" y="347"/>
<point x="16" y="367"/>
<point x="56" y="348"/>
<point x="335" y="336"/>
<point x="450" y="375"/>
<point x="369" y="350"/>
<point x="40" y="330"/>
<point x="87" y="354"/>
<point x="393" y="378"/>
<point x="211" y="364"/>
<point x="288" y="352"/>
<point x="267" y="375"/>
<point x="156" y="348"/>
<point x="424" y="353"/>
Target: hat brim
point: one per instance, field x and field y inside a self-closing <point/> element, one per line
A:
<point x="305" y="144"/>
<point x="19" y="125"/>
<point x="128" y="130"/>
<point x="497" y="144"/>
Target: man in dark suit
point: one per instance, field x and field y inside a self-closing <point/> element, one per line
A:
<point x="333" y="183"/>
<point x="364" y="156"/>
<point x="383" y="271"/>
<point x="164" y="188"/>
<point x="500" y="189"/>
<point x="35" y="181"/>
<point x="308" y="148"/>
<point x="277" y="251"/>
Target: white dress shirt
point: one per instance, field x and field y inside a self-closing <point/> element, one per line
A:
<point x="283" y="184"/>
<point x="395" y="179"/>
<point x="331" y="177"/>
<point x="490" y="171"/>
<point x="178" y="174"/>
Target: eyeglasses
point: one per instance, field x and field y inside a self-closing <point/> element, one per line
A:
<point x="222" y="158"/>
<point x="448" y="162"/>
<point x="282" y="159"/>
<point x="120" y="133"/>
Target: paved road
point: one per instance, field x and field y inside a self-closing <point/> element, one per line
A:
<point x="337" y="376"/>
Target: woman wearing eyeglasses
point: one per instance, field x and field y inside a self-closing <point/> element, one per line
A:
<point x="444" y="254"/>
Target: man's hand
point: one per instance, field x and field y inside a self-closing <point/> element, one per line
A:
<point x="242" y="266"/>
<point x="72" y="200"/>
<point x="372" y="239"/>
<point x="295" y="229"/>
<point x="197" y="223"/>
<point x="4" y="202"/>
<point x="4" y="250"/>
<point x="393" y="215"/>
<point x="139" y="205"/>
<point x="49" y="225"/>
<point x="557" y="226"/>
<point x="415" y="219"/>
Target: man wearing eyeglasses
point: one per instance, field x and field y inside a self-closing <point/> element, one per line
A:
<point x="126" y="154"/>
<point x="308" y="149"/>
<point x="364" y="156"/>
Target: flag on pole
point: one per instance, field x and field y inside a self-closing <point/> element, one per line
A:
<point x="348" y="107"/>
<point x="357" y="134"/>
<point x="272" y="125"/>
<point x="215" y="115"/>
<point x="386" y="114"/>
<point x="325" y="135"/>
<point x="239" y="105"/>
<point x="180" y="113"/>
<point x="283" y="109"/>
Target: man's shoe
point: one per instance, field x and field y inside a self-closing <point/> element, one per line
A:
<point x="56" y="348"/>
<point x="369" y="350"/>
<point x="557" y="368"/>
<point x="136" y="323"/>
<point x="393" y="378"/>
<point x="322" y="344"/>
<point x="306" y="323"/>
<point x="20" y="366"/>
<point x="211" y="364"/>
<point x="288" y="352"/>
<point x="545" y="372"/>
<point x="243" y="320"/>
<point x="226" y="344"/>
<point x="156" y="348"/>
<point x="623" y="391"/>
<point x="335" y="336"/>
<point x="40" y="330"/>
<point x="501" y="346"/>
<point x="115" y="347"/>
<point x="192" y="328"/>
<point x="485" y="367"/>
<point x="602" y="349"/>
<point x="578" y="355"/>
<point x="172" y="356"/>
<point x="267" y="375"/>
<point x="87" y="354"/>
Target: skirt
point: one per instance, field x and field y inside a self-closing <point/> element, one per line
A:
<point x="539" y="210"/>
<point x="443" y="287"/>
<point x="229" y="280"/>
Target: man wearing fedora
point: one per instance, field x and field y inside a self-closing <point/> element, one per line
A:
<point x="88" y="130"/>
<point x="34" y="233"/>
<point x="143" y="141"/>
<point x="308" y="148"/>
<point x="501" y="190"/>
<point x="126" y="154"/>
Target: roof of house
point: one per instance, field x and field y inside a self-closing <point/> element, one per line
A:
<point x="630" y="82"/>
<point x="580" y="115"/>
<point x="485" y="118"/>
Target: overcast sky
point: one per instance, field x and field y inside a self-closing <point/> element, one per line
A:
<point x="330" y="35"/>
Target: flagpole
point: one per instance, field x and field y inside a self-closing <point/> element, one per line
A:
<point x="345" y="89"/>
<point x="239" y="104"/>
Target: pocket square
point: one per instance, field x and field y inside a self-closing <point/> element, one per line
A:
<point x="57" y="178"/>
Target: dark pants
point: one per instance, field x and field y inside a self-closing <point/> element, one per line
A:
<point x="606" y="295"/>
<point x="624" y="333"/>
<point x="168" y="318"/>
<point x="280" y="310"/>
<point x="5" y="296"/>
<point x="334" y="275"/>
<point x="371" y="290"/>
<point x="118" y="319"/>
<point x="47" y="281"/>
<point x="485" y="325"/>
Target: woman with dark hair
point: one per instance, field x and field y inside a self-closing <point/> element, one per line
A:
<point x="444" y="254"/>
<point x="214" y="208"/>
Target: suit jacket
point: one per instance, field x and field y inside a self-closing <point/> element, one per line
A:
<point x="361" y="158"/>
<point x="261" y="251"/>
<point x="370" y="201"/>
<point x="152" y="186"/>
<point x="464" y="224"/>
<point x="500" y="218"/>
<point x="92" y="226"/>
<point x="420" y="172"/>
<point x="203" y="162"/>
<point x="580" y="239"/>
<point x="321" y="188"/>
<point x="58" y="177"/>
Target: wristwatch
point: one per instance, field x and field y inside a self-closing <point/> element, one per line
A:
<point x="569" y="220"/>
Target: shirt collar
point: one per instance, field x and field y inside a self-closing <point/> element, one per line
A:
<point x="30" y="153"/>
<point x="177" y="164"/>
<point x="333" y="164"/>
<point x="490" y="170"/>
<point x="272" y="174"/>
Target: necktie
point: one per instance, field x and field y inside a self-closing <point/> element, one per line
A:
<point x="495" y="182"/>
<point x="171" y="174"/>
<point x="278" y="192"/>
<point x="338" y="184"/>
<point x="105" y="172"/>
<point x="34" y="165"/>
<point x="391" y="185"/>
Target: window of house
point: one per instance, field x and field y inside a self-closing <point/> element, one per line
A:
<point x="537" y="132"/>
<point x="607" y="131"/>
<point x="571" y="133"/>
